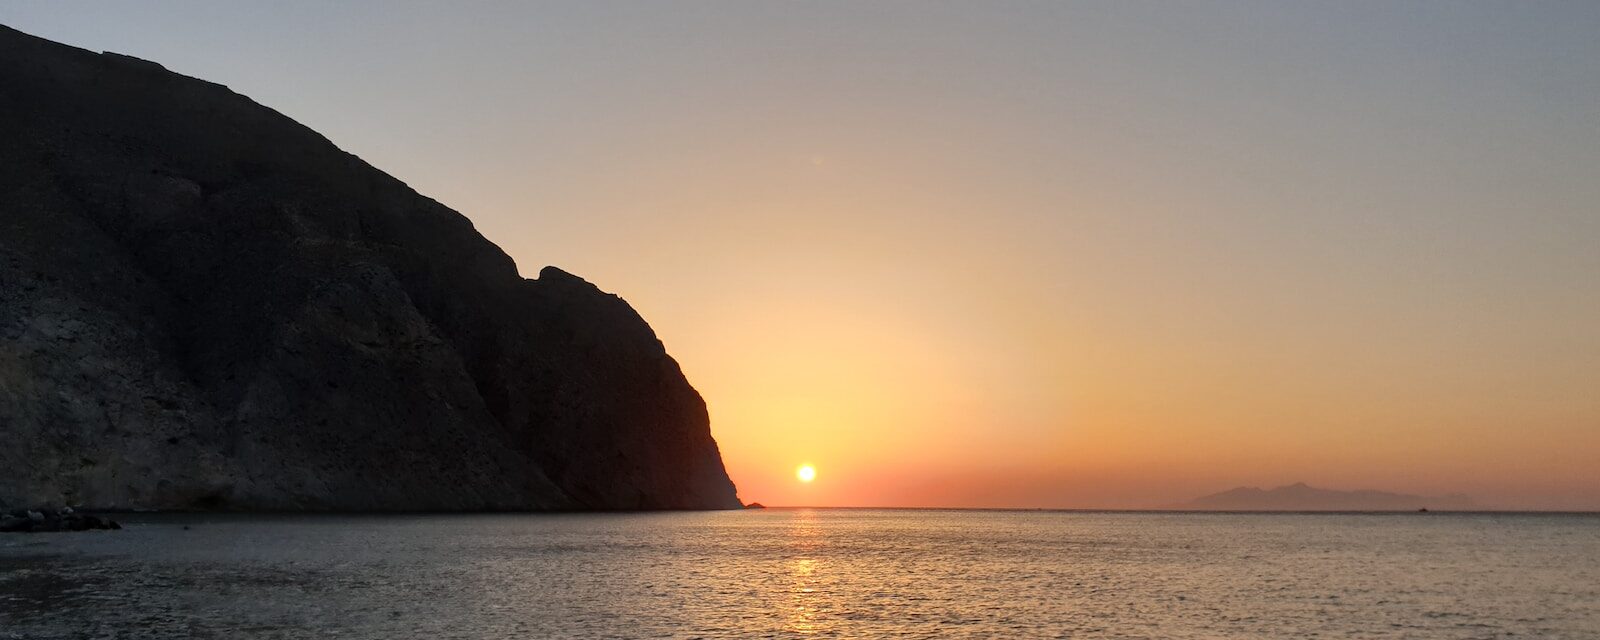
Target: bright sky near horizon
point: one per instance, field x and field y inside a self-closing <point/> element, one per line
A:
<point x="1112" y="254"/>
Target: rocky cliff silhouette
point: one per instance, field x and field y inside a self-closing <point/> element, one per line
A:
<point x="204" y="304"/>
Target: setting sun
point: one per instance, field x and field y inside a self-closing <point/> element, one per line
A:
<point x="1108" y="319"/>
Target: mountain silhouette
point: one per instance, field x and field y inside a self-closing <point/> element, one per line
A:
<point x="206" y="305"/>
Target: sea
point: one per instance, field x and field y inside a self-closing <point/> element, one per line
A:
<point x="796" y="573"/>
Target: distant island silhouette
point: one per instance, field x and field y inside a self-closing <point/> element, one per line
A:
<point x="1302" y="497"/>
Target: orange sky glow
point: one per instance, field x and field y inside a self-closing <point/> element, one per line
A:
<point x="1095" y="255"/>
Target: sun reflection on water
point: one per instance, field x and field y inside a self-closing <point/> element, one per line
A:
<point x="802" y="597"/>
<point x="805" y="596"/>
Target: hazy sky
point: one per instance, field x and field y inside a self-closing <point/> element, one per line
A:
<point x="1103" y="254"/>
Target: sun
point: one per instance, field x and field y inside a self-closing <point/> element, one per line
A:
<point x="806" y="473"/>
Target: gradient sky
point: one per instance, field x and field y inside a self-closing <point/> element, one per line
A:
<point x="1111" y="254"/>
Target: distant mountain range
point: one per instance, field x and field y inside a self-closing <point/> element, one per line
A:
<point x="1300" y="497"/>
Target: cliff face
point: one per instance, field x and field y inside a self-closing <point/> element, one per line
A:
<point x="204" y="304"/>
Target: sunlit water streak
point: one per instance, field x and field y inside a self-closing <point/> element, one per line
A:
<point x="811" y="573"/>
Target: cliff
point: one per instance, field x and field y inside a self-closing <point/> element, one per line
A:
<point x="204" y="304"/>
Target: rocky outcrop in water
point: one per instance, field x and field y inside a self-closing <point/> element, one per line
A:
<point x="204" y="304"/>
<point x="52" y="520"/>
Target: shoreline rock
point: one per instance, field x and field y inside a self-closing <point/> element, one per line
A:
<point x="65" y="519"/>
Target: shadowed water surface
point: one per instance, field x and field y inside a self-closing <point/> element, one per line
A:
<point x="791" y="573"/>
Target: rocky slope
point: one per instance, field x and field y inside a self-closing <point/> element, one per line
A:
<point x="204" y="304"/>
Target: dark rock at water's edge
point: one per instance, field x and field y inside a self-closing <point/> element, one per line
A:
<point x="755" y="505"/>
<point x="29" y="521"/>
<point x="205" y="305"/>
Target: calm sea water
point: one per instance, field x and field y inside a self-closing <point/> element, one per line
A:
<point x="826" y="573"/>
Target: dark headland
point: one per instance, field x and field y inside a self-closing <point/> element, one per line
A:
<point x="206" y="305"/>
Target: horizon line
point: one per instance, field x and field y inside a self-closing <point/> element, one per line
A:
<point x="1194" y="511"/>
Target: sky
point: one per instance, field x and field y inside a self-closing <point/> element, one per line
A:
<point x="1013" y="254"/>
